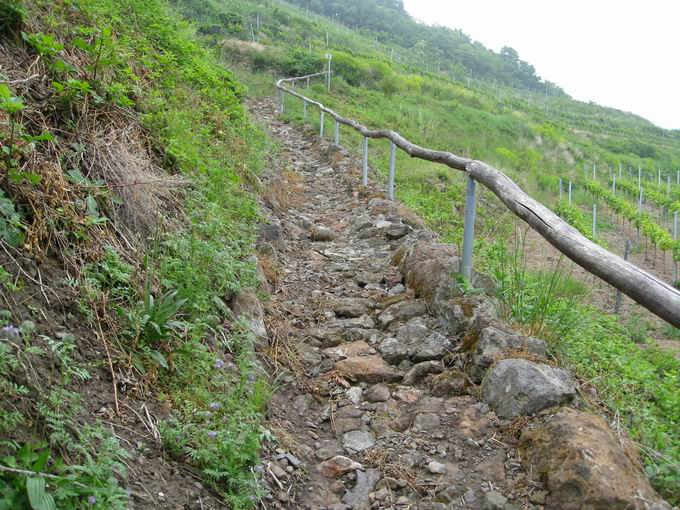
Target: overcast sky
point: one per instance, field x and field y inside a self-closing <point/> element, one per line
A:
<point x="624" y="54"/>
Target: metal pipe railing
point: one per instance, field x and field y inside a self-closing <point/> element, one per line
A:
<point x="646" y="289"/>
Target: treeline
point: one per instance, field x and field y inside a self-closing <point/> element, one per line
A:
<point x="441" y="47"/>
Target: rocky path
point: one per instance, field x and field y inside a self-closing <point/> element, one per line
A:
<point x="378" y="358"/>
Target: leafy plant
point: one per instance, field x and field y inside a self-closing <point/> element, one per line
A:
<point x="12" y="16"/>
<point x="11" y="228"/>
<point x="11" y="105"/>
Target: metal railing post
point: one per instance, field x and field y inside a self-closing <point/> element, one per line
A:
<point x="283" y="98"/>
<point x="675" y="238"/>
<point x="304" y="110"/>
<point x="560" y="189"/>
<point x="321" y="127"/>
<point x="337" y="133"/>
<point x="469" y="230"/>
<point x="594" y="219"/>
<point x="390" y="178"/>
<point x="570" y="192"/>
<point x="626" y="253"/>
<point x="365" y="169"/>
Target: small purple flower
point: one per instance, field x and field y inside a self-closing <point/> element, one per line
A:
<point x="92" y="500"/>
<point x="212" y="434"/>
<point x="252" y="378"/>
<point x="215" y="406"/>
<point x="10" y="333"/>
<point x="219" y="364"/>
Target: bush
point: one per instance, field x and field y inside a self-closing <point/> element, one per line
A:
<point x="12" y="16"/>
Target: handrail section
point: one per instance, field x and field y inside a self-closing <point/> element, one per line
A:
<point x="649" y="291"/>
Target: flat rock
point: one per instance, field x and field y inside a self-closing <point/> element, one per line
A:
<point x="357" y="497"/>
<point x="347" y="350"/>
<point x="370" y="369"/>
<point x="247" y="306"/>
<point x="358" y="440"/>
<point x="583" y="465"/>
<point x="321" y="233"/>
<point x="493" y="344"/>
<point x="516" y="387"/>
<point x="352" y="307"/>
<point x="377" y="393"/>
<point x="420" y="370"/>
<point x="401" y="312"/>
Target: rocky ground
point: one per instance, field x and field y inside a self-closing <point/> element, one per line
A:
<point x="395" y="389"/>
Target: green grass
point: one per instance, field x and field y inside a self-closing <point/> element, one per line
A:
<point x="154" y="66"/>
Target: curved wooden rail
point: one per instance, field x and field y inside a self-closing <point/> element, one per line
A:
<point x="644" y="288"/>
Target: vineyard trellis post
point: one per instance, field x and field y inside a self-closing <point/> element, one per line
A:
<point x="626" y="253"/>
<point x="560" y="189"/>
<point x="304" y="110"/>
<point x="570" y="192"/>
<point x="321" y="126"/>
<point x="468" y="229"/>
<point x="337" y="134"/>
<point x="594" y="219"/>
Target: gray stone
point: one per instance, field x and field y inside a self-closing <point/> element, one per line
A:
<point x="469" y="496"/>
<point x="435" y="346"/>
<point x="436" y="468"/>
<point x="401" y="312"/>
<point x="357" y="497"/>
<point x="352" y="307"/>
<point x="426" y="421"/>
<point x="420" y="370"/>
<point x="493" y="343"/>
<point x="269" y="233"/>
<point x="494" y="500"/>
<point x="396" y="290"/>
<point x="321" y="233"/>
<point x="377" y="393"/>
<point x="358" y="440"/>
<point x="247" y="306"/>
<point x="515" y="387"/>
<point x="398" y="231"/>
<point x="354" y="394"/>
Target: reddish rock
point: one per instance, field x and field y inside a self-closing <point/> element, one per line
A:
<point x="337" y="466"/>
<point x="583" y="465"/>
<point x="371" y="369"/>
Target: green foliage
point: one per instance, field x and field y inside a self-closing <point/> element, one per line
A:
<point x="11" y="228"/>
<point x="573" y="215"/>
<point x="12" y="16"/>
<point x="216" y="423"/>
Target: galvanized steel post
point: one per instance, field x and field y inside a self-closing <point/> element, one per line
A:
<point x="321" y="127"/>
<point x="365" y="172"/>
<point x="390" y="178"/>
<point x="594" y="219"/>
<point x="570" y="192"/>
<point x="283" y="98"/>
<point x="337" y="133"/>
<point x="626" y="252"/>
<point x="469" y="230"/>
<point x="304" y="110"/>
<point x="675" y="237"/>
<point x="560" y="189"/>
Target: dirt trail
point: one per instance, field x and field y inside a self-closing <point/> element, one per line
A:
<point x="424" y="441"/>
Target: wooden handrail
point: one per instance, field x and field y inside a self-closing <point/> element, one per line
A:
<point x="657" y="296"/>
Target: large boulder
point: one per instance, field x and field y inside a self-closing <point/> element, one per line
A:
<point x="247" y="306"/>
<point x="429" y="268"/>
<point x="493" y="343"/>
<point x="583" y="465"/>
<point x="516" y="387"/>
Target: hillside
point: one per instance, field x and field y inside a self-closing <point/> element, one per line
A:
<point x="201" y="306"/>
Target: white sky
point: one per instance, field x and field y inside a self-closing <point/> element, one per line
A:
<point x="624" y="54"/>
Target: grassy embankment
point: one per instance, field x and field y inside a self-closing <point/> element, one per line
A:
<point x="117" y="65"/>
